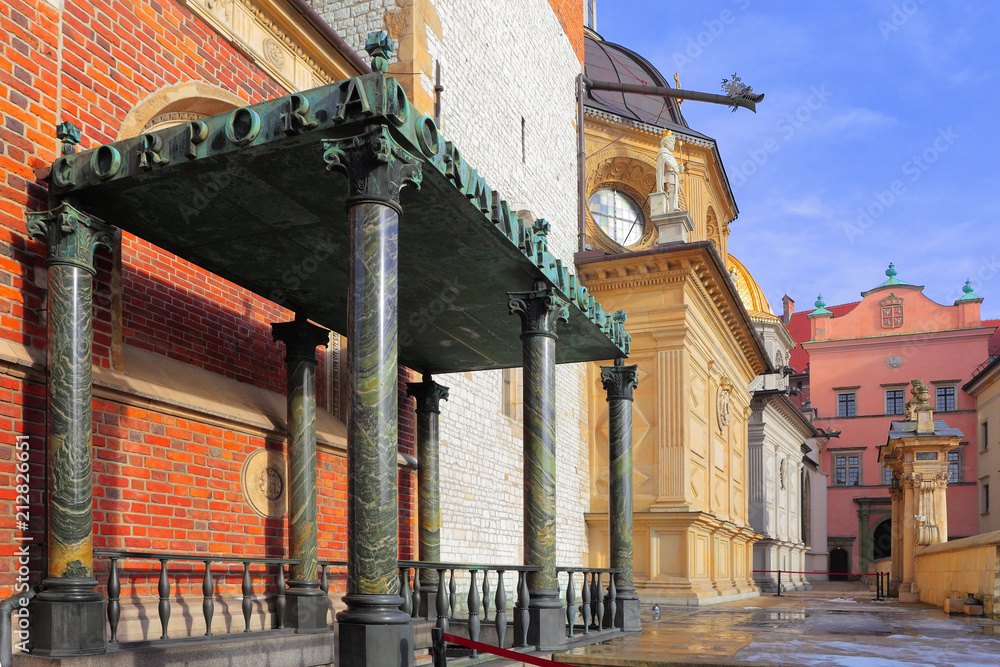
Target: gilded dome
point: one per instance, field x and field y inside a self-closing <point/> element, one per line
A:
<point x="750" y="292"/>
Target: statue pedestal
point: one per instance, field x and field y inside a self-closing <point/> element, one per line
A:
<point x="674" y="226"/>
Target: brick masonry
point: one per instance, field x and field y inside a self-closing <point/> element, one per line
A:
<point x="160" y="482"/>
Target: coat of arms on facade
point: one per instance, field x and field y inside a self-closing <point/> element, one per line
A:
<point x="892" y="312"/>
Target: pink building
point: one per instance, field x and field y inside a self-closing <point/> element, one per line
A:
<point x="857" y="361"/>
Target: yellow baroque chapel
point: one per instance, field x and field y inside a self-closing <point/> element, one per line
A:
<point x="693" y="340"/>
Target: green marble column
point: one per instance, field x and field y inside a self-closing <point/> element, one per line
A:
<point x="428" y="394"/>
<point x="373" y="629"/>
<point x="540" y="310"/>
<point x="68" y="618"/>
<point x="619" y="381"/>
<point x="307" y="605"/>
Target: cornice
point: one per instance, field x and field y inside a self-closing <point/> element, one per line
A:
<point x="884" y="341"/>
<point x="697" y="264"/>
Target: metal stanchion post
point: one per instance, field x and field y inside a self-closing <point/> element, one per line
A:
<point x="778" y="594"/>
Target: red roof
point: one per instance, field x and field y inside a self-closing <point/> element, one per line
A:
<point x="800" y="330"/>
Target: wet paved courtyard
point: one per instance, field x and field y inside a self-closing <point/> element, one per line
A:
<point x="836" y="624"/>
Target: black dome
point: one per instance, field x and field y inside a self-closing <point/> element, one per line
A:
<point x="606" y="61"/>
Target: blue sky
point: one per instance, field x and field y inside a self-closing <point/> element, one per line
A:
<point x="877" y="140"/>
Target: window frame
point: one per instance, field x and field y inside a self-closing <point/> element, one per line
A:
<point x="954" y="398"/>
<point x="836" y="467"/>
<point x="841" y="403"/>
<point x="638" y="225"/>
<point x="959" y="461"/>
<point x="899" y="402"/>
<point x="511" y="394"/>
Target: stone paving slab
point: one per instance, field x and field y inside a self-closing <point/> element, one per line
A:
<point x="839" y="625"/>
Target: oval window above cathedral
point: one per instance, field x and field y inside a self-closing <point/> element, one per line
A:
<point x="618" y="215"/>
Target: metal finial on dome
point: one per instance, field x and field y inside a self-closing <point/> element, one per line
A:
<point x="969" y="292"/>
<point x="380" y="48"/>
<point x="820" y="303"/>
<point x="891" y="271"/>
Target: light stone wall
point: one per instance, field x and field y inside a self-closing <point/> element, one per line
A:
<point x="492" y="80"/>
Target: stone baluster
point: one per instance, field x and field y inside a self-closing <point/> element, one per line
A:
<point x="523" y="613"/>
<point x="247" y="590"/>
<point x="500" y="617"/>
<point x="442" y="602"/>
<point x="208" y="598"/>
<point x="280" y="603"/>
<point x="114" y="595"/>
<point x="415" y="611"/>
<point x="163" y="608"/>
<point x="404" y="588"/>
<point x="597" y="599"/>
<point x="473" y="602"/>
<point x="452" y="594"/>
<point x="570" y="603"/>
<point x="486" y="595"/>
<point x="585" y="604"/>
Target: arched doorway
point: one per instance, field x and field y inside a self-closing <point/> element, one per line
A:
<point x="840" y="563"/>
<point x="882" y="540"/>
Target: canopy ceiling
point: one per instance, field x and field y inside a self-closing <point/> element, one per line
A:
<point x="246" y="195"/>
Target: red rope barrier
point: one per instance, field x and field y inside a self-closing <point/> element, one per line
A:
<point x="496" y="650"/>
<point x="845" y="574"/>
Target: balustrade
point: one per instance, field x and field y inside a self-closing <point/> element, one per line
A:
<point x="597" y="610"/>
<point x="264" y="567"/>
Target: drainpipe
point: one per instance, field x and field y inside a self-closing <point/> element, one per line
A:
<point x="581" y="158"/>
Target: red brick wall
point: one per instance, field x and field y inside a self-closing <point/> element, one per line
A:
<point x="161" y="483"/>
<point x="570" y="13"/>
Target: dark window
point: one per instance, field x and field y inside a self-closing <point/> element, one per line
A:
<point x="954" y="467"/>
<point x="845" y="405"/>
<point x="847" y="470"/>
<point x="945" y="399"/>
<point x="986" y="498"/>
<point x="985" y="442"/>
<point x="894" y="402"/>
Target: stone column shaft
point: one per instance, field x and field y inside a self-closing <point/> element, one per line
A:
<point x="540" y="310"/>
<point x="428" y="395"/>
<point x="68" y="618"/>
<point x="373" y="629"/>
<point x="619" y="381"/>
<point x="301" y="340"/>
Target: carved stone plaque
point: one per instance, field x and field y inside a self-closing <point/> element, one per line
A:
<point x="264" y="481"/>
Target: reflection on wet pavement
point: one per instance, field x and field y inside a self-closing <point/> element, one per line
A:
<point x="839" y="625"/>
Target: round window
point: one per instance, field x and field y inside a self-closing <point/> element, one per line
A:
<point x="618" y="215"/>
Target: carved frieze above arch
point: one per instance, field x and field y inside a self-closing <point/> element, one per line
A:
<point x="630" y="172"/>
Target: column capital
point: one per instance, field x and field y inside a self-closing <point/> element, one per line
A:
<point x="376" y="166"/>
<point x="619" y="380"/>
<point x="71" y="235"/>
<point x="428" y="394"/>
<point x="540" y="310"/>
<point x="301" y="338"/>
